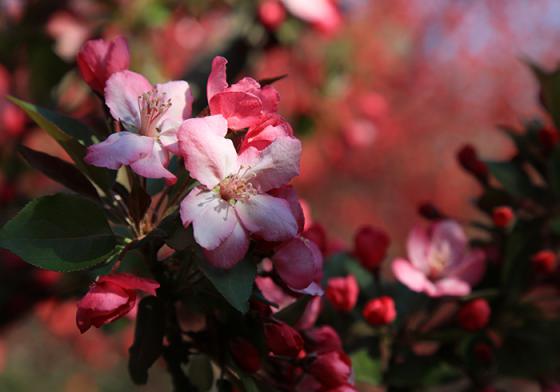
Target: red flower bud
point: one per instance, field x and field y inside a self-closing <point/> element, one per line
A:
<point x="99" y="59"/>
<point x="469" y="161"/>
<point x="111" y="297"/>
<point x="272" y="14"/>
<point x="370" y="246"/>
<point x="380" y="311"/>
<point x="342" y="293"/>
<point x="548" y="137"/>
<point x="502" y="216"/>
<point x="331" y="369"/>
<point x="245" y="355"/>
<point x="282" y="339"/>
<point x="323" y="339"/>
<point x="474" y="315"/>
<point x="544" y="262"/>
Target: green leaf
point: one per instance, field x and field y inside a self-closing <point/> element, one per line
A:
<point x="292" y="314"/>
<point x="61" y="232"/>
<point x="235" y="284"/>
<point x="60" y="171"/>
<point x="366" y="369"/>
<point x="512" y="177"/>
<point x="550" y="90"/>
<point x="148" y="338"/>
<point x="68" y="133"/>
<point x="200" y="372"/>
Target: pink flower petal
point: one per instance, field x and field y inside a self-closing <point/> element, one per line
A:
<point x="213" y="219"/>
<point x="104" y="297"/>
<point x="168" y="139"/>
<point x="268" y="217"/>
<point x="231" y="251"/>
<point x="217" y="81"/>
<point x="411" y="277"/>
<point x="153" y="165"/>
<point x="471" y="269"/>
<point x="322" y="13"/>
<point x="449" y="234"/>
<point x="208" y="156"/>
<point x="297" y="262"/>
<point x="289" y="194"/>
<point x="418" y="245"/>
<point x="451" y="287"/>
<point x="121" y="148"/>
<point x="274" y="166"/>
<point x="241" y="110"/>
<point x="121" y="96"/>
<point x="180" y="95"/>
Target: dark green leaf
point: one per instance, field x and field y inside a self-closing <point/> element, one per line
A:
<point x="550" y="90"/>
<point x="512" y="177"/>
<point x="148" y="338"/>
<point x="63" y="130"/>
<point x="366" y="369"/>
<point x="60" y="171"/>
<point x="292" y="314"/>
<point x="268" y="81"/>
<point x="138" y="202"/>
<point x="235" y="284"/>
<point x="61" y="232"/>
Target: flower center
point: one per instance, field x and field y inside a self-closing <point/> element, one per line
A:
<point x="439" y="260"/>
<point x="234" y="187"/>
<point x="153" y="105"/>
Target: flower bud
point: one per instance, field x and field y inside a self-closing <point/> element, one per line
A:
<point x="271" y="14"/>
<point x="331" y="369"/>
<point x="111" y="297"/>
<point x="342" y="293"/>
<point x="99" y="59"/>
<point x="323" y="339"/>
<point x="502" y="216"/>
<point x="282" y="339"/>
<point x="544" y="262"/>
<point x="470" y="162"/>
<point x="370" y="246"/>
<point x="474" y="315"/>
<point x="245" y="355"/>
<point x="380" y="311"/>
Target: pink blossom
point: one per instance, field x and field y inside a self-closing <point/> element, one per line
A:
<point x="98" y="59"/>
<point x="111" y="297"/>
<point x="271" y="127"/>
<point x="151" y="116"/>
<point x="323" y="14"/>
<point x="298" y="262"/>
<point x="243" y="103"/>
<point x="441" y="262"/>
<point x="233" y="199"/>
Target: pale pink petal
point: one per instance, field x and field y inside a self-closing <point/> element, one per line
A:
<point x="231" y="251"/>
<point x="213" y="219"/>
<point x="268" y="217"/>
<point x="209" y="158"/>
<point x="131" y="282"/>
<point x="297" y="262"/>
<point x="217" y="81"/>
<point x="313" y="289"/>
<point x="321" y="13"/>
<point x="121" y="148"/>
<point x="180" y="95"/>
<point x="418" y="246"/>
<point x="450" y="287"/>
<point x="168" y="139"/>
<point x="288" y="193"/>
<point x="274" y="166"/>
<point x="449" y="236"/>
<point x="241" y="110"/>
<point x="471" y="269"/>
<point x="410" y="276"/>
<point x="153" y="165"/>
<point x="104" y="297"/>
<point x="121" y="96"/>
<point x="260" y="137"/>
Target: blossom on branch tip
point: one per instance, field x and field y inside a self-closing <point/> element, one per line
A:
<point x="440" y="261"/>
<point x="150" y="115"/>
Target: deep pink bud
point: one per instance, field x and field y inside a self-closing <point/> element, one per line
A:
<point x="544" y="262"/>
<point x="548" y="137"/>
<point x="331" y="369"/>
<point x="380" y="311"/>
<point x="370" y="246"/>
<point x="245" y="355"/>
<point x="469" y="160"/>
<point x="272" y="14"/>
<point x="282" y="339"/>
<point x="502" y="216"/>
<point x="342" y="293"/>
<point x="474" y="315"/>
<point x="323" y="339"/>
<point x="111" y="297"/>
<point x="99" y="59"/>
